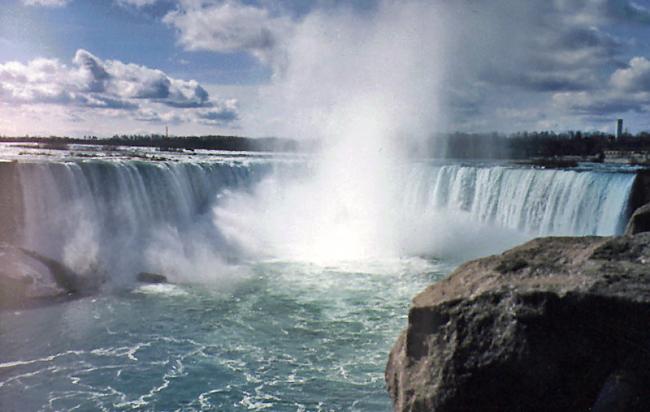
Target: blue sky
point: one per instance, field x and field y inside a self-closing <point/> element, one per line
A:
<point x="270" y="67"/>
<point x="116" y="31"/>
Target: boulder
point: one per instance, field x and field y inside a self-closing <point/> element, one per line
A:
<point x="14" y="291"/>
<point x="27" y="277"/>
<point x="640" y="193"/>
<point x="639" y="221"/>
<point x="557" y="324"/>
<point x="23" y="279"/>
<point x="147" y="277"/>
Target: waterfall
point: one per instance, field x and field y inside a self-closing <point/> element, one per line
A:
<point x="128" y="216"/>
<point x="117" y="214"/>
<point x="533" y="201"/>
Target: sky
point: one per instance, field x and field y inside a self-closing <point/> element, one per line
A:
<point x="300" y="68"/>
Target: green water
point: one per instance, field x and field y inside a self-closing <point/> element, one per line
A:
<point x="272" y="336"/>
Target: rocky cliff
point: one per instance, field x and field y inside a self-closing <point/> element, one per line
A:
<point x="557" y="324"/>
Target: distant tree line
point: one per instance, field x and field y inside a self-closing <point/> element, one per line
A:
<point x="527" y="145"/>
<point x="211" y="142"/>
<point x="522" y="145"/>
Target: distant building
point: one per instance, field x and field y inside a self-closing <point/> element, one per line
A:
<point x="627" y="156"/>
<point x="619" y="128"/>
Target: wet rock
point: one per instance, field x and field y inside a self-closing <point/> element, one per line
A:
<point x="557" y="324"/>
<point x="66" y="278"/>
<point x="639" y="221"/>
<point x="27" y="277"/>
<point x="13" y="290"/>
<point x="147" y="277"/>
<point x="23" y="279"/>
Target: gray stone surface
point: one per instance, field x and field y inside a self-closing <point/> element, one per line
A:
<point x="557" y="324"/>
<point x="27" y="277"/>
<point x="148" y="277"/>
<point x="639" y="221"/>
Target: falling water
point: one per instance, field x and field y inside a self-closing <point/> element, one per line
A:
<point x="533" y="201"/>
<point x="126" y="215"/>
<point x="238" y="331"/>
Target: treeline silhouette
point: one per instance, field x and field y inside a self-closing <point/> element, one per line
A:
<point x="527" y="145"/>
<point x="523" y="145"/>
<point x="212" y="142"/>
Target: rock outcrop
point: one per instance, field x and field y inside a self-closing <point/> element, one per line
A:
<point x="639" y="221"/>
<point x="28" y="278"/>
<point x="153" y="278"/>
<point x="640" y="194"/>
<point x="557" y="324"/>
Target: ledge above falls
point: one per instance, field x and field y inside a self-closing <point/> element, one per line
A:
<point x="557" y="324"/>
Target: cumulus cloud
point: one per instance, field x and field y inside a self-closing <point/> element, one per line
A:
<point x="628" y="90"/>
<point x="132" y="81"/>
<point x="493" y="58"/>
<point x="220" y="114"/>
<point x="93" y="83"/>
<point x="229" y="27"/>
<point x="633" y="78"/>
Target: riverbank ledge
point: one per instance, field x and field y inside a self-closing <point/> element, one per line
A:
<point x="557" y="324"/>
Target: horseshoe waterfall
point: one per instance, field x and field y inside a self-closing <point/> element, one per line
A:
<point x="238" y="315"/>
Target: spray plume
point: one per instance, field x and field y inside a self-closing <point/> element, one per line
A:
<point x="364" y="86"/>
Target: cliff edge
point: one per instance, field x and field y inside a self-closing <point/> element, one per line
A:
<point x="557" y="324"/>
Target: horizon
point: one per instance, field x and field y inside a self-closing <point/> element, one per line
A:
<point x="433" y="135"/>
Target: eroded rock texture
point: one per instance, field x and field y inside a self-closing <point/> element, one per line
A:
<point x="557" y="324"/>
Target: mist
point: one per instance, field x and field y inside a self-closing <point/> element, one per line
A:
<point x="371" y="88"/>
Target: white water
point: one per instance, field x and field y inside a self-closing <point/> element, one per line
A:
<point x="123" y="217"/>
<point x="260" y="335"/>
<point x="532" y="201"/>
<point x="453" y="212"/>
<point x="196" y="221"/>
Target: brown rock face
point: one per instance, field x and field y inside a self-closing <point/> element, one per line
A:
<point x="557" y="324"/>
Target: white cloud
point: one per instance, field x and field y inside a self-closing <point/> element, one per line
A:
<point x="46" y="3"/>
<point x="223" y="113"/>
<point x="92" y="80"/>
<point x="509" y="49"/>
<point x="634" y="78"/>
<point x="112" y="86"/>
<point x="136" y="3"/>
<point x="628" y="90"/>
<point x="229" y="27"/>
<point x="541" y="58"/>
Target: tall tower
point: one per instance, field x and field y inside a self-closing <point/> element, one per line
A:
<point x="619" y="128"/>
